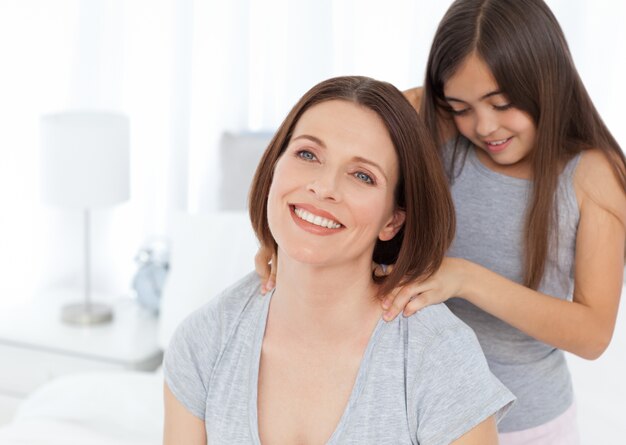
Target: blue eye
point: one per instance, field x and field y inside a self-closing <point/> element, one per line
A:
<point x="306" y="155"/>
<point x="364" y="177"/>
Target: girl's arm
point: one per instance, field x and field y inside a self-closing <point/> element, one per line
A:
<point x="583" y="326"/>
<point x="180" y="426"/>
<point x="485" y="433"/>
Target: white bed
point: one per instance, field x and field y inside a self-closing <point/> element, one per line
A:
<point x="208" y="253"/>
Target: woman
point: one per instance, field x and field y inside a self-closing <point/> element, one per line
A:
<point x="350" y="176"/>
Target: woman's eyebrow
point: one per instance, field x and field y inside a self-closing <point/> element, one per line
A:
<point x="486" y="96"/>
<point x="372" y="163"/>
<point x="310" y="138"/>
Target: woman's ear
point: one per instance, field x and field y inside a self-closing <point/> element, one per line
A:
<point x="393" y="225"/>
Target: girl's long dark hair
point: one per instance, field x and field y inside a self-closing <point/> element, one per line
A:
<point x="524" y="46"/>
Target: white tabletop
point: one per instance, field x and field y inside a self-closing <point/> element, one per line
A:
<point x="130" y="337"/>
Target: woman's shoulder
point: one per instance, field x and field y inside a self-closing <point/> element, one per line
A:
<point x="435" y="335"/>
<point x="239" y="293"/>
<point x="450" y="387"/>
<point x="198" y="341"/>
<point x="222" y="311"/>
<point x="435" y="321"/>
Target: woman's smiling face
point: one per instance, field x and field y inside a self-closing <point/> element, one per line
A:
<point x="332" y="193"/>
<point x="482" y="113"/>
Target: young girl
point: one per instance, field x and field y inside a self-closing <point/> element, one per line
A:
<point x="539" y="189"/>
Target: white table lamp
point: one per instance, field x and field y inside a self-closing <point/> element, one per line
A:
<point x="85" y="165"/>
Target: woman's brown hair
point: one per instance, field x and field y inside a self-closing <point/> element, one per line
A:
<point x="422" y="192"/>
<point x="524" y="47"/>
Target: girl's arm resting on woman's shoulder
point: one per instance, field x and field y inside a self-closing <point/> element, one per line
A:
<point x="485" y="433"/>
<point x="180" y="426"/>
<point x="583" y="326"/>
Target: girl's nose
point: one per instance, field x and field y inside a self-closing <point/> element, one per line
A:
<point x="486" y="124"/>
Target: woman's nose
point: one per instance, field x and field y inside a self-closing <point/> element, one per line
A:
<point x="325" y="186"/>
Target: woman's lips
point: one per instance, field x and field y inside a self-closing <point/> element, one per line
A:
<point x="314" y="222"/>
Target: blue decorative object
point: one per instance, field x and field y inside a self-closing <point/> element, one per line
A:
<point x="150" y="276"/>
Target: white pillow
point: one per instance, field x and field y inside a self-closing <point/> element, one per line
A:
<point x="209" y="252"/>
<point x="125" y="404"/>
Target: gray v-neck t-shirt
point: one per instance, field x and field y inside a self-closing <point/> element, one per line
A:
<point x="422" y="380"/>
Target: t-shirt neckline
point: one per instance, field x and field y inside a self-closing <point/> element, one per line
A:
<point x="253" y="378"/>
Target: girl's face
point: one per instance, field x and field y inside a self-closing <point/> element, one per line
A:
<point x="504" y="134"/>
<point x="332" y="194"/>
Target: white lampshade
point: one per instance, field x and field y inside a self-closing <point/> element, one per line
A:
<point x="84" y="159"/>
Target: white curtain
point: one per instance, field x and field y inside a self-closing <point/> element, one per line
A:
<point x="184" y="71"/>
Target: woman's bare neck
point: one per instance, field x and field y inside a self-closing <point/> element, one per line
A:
<point x="325" y="301"/>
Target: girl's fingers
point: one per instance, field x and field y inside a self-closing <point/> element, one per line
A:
<point x="387" y="302"/>
<point x="382" y="270"/>
<point x="401" y="299"/>
<point x="407" y="296"/>
<point x="262" y="267"/>
<point x="271" y="282"/>
<point x="417" y="303"/>
<point x="378" y="270"/>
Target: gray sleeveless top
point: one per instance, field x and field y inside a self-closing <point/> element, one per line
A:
<point x="490" y="209"/>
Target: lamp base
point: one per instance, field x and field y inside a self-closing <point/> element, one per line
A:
<point x="86" y="314"/>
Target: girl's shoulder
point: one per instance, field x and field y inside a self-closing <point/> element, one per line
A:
<point x="414" y="96"/>
<point x="596" y="182"/>
<point x="447" y="127"/>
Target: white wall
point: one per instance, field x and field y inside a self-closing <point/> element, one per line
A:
<point x="186" y="70"/>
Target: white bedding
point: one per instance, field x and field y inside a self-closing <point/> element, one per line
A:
<point x="120" y="408"/>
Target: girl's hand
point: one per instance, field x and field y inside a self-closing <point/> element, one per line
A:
<point x="265" y="262"/>
<point x="447" y="282"/>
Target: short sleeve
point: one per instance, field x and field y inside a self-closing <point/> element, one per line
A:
<point x="454" y="388"/>
<point x="190" y="358"/>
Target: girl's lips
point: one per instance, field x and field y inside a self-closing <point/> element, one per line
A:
<point x="499" y="147"/>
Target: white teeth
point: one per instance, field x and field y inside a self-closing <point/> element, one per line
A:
<point x="315" y="219"/>
<point x="498" y="142"/>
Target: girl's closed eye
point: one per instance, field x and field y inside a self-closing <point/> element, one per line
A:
<point x="503" y="107"/>
<point x="459" y="112"/>
<point x="460" y="109"/>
